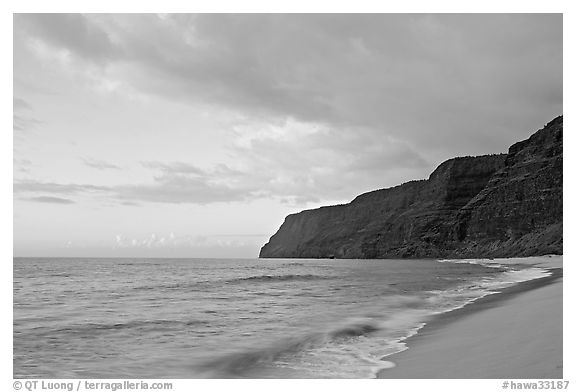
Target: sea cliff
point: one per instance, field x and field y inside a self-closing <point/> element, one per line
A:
<point x="499" y="205"/>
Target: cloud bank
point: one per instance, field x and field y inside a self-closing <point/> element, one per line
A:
<point x="331" y="102"/>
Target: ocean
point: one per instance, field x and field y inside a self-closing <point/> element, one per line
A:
<point x="225" y="318"/>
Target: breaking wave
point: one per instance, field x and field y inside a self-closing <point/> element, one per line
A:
<point x="278" y="278"/>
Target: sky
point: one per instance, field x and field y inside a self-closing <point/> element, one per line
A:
<point x="142" y="135"/>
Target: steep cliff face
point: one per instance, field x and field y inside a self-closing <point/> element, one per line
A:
<point x="487" y="206"/>
<point x="519" y="212"/>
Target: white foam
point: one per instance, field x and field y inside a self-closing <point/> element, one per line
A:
<point x="462" y="295"/>
<point x="483" y="262"/>
<point x="365" y="356"/>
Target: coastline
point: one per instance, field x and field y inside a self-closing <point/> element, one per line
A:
<point x="515" y="333"/>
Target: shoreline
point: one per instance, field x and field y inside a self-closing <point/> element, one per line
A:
<point x="513" y="333"/>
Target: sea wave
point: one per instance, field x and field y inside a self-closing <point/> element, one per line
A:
<point x="321" y="321"/>
<point x="236" y="364"/>
<point x="95" y="328"/>
<point x="466" y="293"/>
<point x="360" y="347"/>
<point x="278" y="278"/>
<point x="322" y="353"/>
<point x="178" y="286"/>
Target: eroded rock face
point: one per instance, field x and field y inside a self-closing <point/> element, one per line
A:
<point x="487" y="206"/>
<point x="519" y="212"/>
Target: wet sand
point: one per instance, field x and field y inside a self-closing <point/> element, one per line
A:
<point x="513" y="334"/>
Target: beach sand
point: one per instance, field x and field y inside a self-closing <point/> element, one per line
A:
<point x="513" y="334"/>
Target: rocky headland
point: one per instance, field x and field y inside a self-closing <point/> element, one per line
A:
<point x="501" y="205"/>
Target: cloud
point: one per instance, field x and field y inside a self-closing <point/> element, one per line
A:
<point x="268" y="163"/>
<point x="434" y="81"/>
<point x="129" y="203"/>
<point x="179" y="189"/>
<point x="33" y="186"/>
<point x="175" y="168"/>
<point x="311" y="162"/>
<point x="50" y="200"/>
<point x="165" y="188"/>
<point x="22" y="120"/>
<point x="328" y="105"/>
<point x="100" y="164"/>
<point x="172" y="241"/>
<point x="180" y="182"/>
<point x="74" y="33"/>
<point x="22" y="165"/>
<point x="24" y="123"/>
<point x="20" y="104"/>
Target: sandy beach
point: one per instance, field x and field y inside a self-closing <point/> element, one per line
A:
<point x="513" y="334"/>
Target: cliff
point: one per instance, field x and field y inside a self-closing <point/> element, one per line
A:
<point x="488" y="206"/>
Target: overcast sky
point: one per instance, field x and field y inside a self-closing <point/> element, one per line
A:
<point x="195" y="135"/>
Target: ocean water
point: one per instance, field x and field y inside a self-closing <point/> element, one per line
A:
<point x="221" y="318"/>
